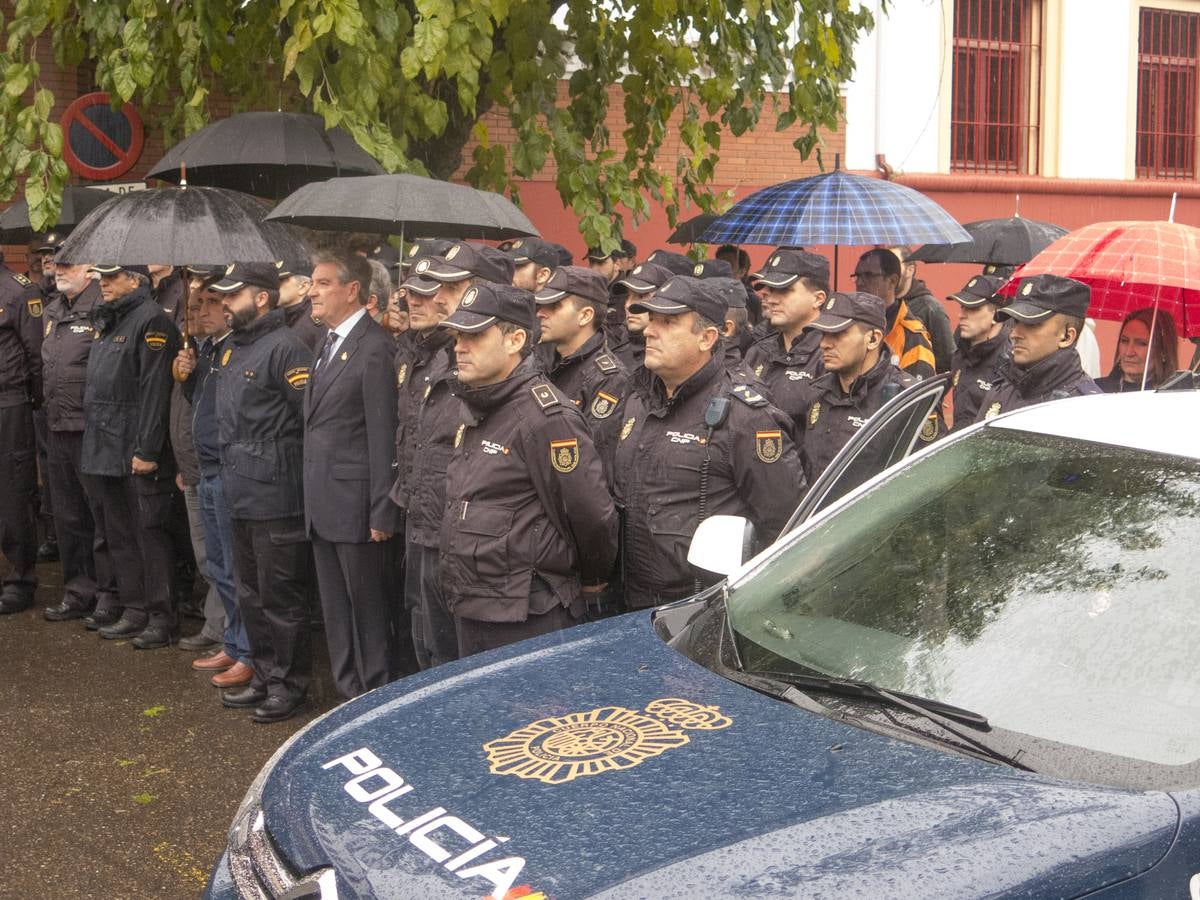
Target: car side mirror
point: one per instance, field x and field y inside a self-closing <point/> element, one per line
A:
<point x="722" y="544"/>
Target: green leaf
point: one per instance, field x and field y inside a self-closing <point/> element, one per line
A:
<point x="154" y="711"/>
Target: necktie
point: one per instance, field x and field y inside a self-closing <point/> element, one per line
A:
<point x="327" y="350"/>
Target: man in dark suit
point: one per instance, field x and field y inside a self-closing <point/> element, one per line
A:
<point x="349" y="451"/>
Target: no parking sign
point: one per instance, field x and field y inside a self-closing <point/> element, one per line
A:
<point x="99" y="142"/>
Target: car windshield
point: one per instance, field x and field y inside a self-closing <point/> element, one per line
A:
<point x="1048" y="584"/>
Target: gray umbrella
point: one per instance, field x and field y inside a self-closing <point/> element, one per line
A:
<point x="180" y="226"/>
<point x="268" y="154"/>
<point x="404" y="204"/>
<point x="77" y="202"/>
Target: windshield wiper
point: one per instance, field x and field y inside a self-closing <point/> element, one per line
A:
<point x="944" y="715"/>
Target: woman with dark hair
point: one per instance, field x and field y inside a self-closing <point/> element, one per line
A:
<point x="1133" y="348"/>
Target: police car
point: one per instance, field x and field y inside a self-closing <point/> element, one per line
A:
<point x="972" y="674"/>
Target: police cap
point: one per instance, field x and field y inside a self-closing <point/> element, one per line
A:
<point x="712" y="268"/>
<point x="1041" y="296"/>
<point x="486" y="303"/>
<point x="423" y="247"/>
<point x="299" y="266"/>
<point x="646" y="278"/>
<point x="783" y="267"/>
<point x="683" y="294"/>
<point x="239" y="275"/>
<point x="676" y="263"/>
<point x="980" y="290"/>
<point x="47" y="243"/>
<point x="113" y="269"/>
<point x="843" y="309"/>
<point x="463" y="261"/>
<point x="585" y="283"/>
<point x="535" y="250"/>
<point x="732" y="290"/>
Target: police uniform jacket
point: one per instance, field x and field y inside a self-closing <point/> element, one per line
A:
<point x="976" y="369"/>
<point x="128" y="390"/>
<point x="630" y="349"/>
<point x="526" y="498"/>
<point x="307" y="327"/>
<point x="349" y="435"/>
<point x="909" y="342"/>
<point x="830" y="416"/>
<point x="786" y="372"/>
<point x="66" y="343"/>
<point x="428" y="416"/>
<point x="261" y="376"/>
<point x="738" y="369"/>
<point x="20" y="339"/>
<point x="597" y="383"/>
<point x="1058" y="376"/>
<point x="753" y="471"/>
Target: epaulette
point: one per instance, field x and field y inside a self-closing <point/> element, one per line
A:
<point x="21" y="279"/>
<point x="544" y="395"/>
<point x="748" y="395"/>
<point x="606" y="363"/>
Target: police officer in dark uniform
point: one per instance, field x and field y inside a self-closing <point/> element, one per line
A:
<point x="1048" y="316"/>
<point x="694" y="444"/>
<point x="641" y="282"/>
<point x="789" y="358"/>
<point x="41" y="272"/>
<point x="261" y="376"/>
<point x="860" y="377"/>
<point x="21" y="314"/>
<point x="984" y="345"/>
<point x="427" y="415"/>
<point x="534" y="261"/>
<point x="127" y="453"/>
<point x="295" y="282"/>
<point x="571" y="309"/>
<point x="529" y="524"/>
<point x="88" y="577"/>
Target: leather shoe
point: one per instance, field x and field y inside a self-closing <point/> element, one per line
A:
<point x="153" y="637"/>
<point x="124" y="627"/>
<point x="244" y="698"/>
<point x="276" y="709"/>
<point x="191" y="609"/>
<point x="48" y="551"/>
<point x="240" y="674"/>
<point x="197" y="641"/>
<point x="14" y="603"/>
<point x="101" y="619"/>
<point x="64" y="611"/>
<point x="214" y="662"/>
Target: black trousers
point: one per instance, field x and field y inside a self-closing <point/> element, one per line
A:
<point x="43" y="499"/>
<point x="81" y="546"/>
<point x="475" y="636"/>
<point x="269" y="557"/>
<point x="18" y="492"/>
<point x="434" y="635"/>
<point x="136" y="513"/>
<point x="353" y="580"/>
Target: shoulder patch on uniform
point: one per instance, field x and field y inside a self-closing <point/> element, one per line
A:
<point x="21" y="279"/>
<point x="604" y="404"/>
<point x="929" y="431"/>
<point x="748" y="395"/>
<point x="34" y="305"/>
<point x="564" y="455"/>
<point x="544" y="395"/>
<point x="297" y="377"/>
<point x="155" y="340"/>
<point x="401" y="374"/>
<point x="814" y="413"/>
<point x="225" y="356"/>
<point x="768" y="445"/>
<point x="627" y="428"/>
<point x="606" y="363"/>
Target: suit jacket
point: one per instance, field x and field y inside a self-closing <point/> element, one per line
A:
<point x="349" y="439"/>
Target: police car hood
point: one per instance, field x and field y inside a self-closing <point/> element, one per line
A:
<point x="600" y="762"/>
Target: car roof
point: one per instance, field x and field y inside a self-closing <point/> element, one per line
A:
<point x="1166" y="422"/>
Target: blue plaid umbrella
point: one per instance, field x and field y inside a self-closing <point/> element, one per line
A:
<point x="835" y="208"/>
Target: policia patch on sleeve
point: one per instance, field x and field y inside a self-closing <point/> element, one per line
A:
<point x="604" y="404"/>
<point x="564" y="455"/>
<point x="297" y="377"/>
<point x="155" y="340"/>
<point x="768" y="445"/>
<point x="34" y="306"/>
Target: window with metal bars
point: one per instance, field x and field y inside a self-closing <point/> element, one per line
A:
<point x="1167" y="93"/>
<point x="995" y="118"/>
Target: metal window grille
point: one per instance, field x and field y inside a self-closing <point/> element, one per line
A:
<point x="1167" y="93"/>
<point x="996" y="114"/>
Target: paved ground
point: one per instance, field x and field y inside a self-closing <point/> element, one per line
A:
<point x="121" y="770"/>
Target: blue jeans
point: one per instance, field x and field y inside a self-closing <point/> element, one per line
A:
<point x="218" y="545"/>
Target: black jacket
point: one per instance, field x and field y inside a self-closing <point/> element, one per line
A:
<point x="128" y="390"/>
<point x="66" y="343"/>
<point x="753" y="471"/>
<point x="20" y="340"/>
<point x="526" y="499"/>
<point x="787" y="372"/>
<point x="261" y="373"/>
<point x="976" y="369"/>
<point x="924" y="306"/>
<point x="1057" y="376"/>
<point x="306" y="326"/>
<point x="201" y="391"/>
<point x="598" y="384"/>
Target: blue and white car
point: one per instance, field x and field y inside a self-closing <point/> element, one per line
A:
<point x="972" y="674"/>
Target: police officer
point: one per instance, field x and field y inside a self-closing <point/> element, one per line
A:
<point x="984" y="345"/>
<point x="694" y="444"/>
<point x="1048" y="315"/>
<point x="641" y="282"/>
<point x="570" y="309"/>
<point x="88" y="577"/>
<point x="261" y="376"/>
<point x="859" y="378"/>
<point x="126" y="451"/>
<point x="789" y="358"/>
<point x="878" y="272"/>
<point x="529" y="523"/>
<point x="20" y="390"/>
<point x="427" y="415"/>
<point x="295" y="282"/>
<point x="534" y="261"/>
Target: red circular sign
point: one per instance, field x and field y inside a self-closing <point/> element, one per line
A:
<point x="100" y="142"/>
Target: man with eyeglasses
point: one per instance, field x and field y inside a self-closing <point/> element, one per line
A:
<point x="878" y="272"/>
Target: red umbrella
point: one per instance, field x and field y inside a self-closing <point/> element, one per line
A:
<point x="1129" y="265"/>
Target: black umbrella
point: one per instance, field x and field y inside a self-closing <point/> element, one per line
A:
<point x="77" y="202"/>
<point x="404" y="204"/>
<point x="1007" y="242"/>
<point x="689" y="232"/>
<point x="268" y="154"/>
<point x="180" y="226"/>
